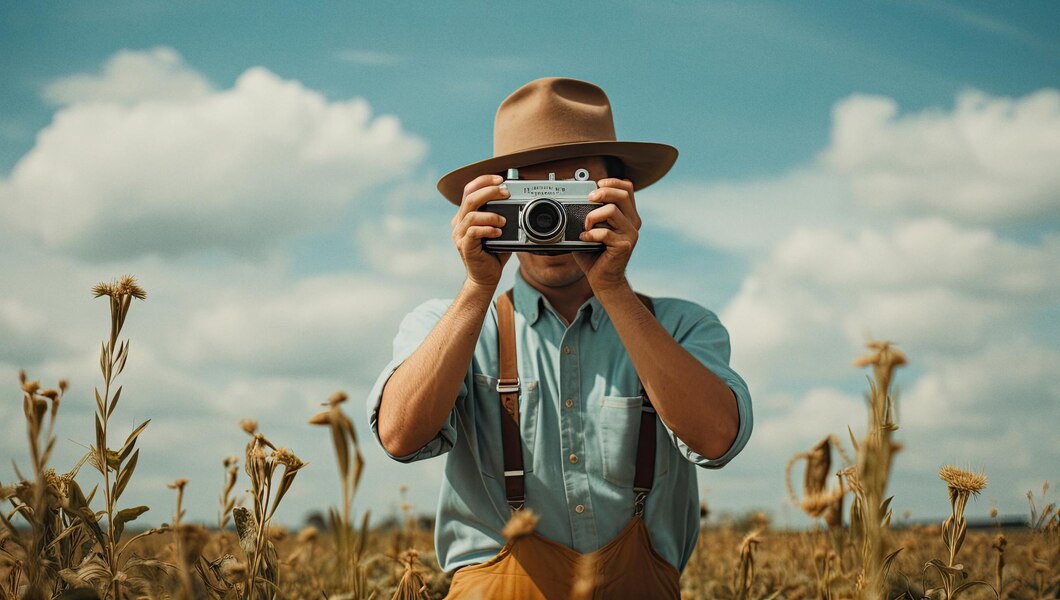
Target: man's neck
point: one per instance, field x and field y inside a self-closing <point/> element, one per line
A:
<point x="567" y="299"/>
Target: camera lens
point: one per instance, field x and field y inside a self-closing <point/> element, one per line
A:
<point x="543" y="220"/>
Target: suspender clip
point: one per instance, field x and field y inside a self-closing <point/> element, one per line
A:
<point x="638" y="502"/>
<point x="506" y="388"/>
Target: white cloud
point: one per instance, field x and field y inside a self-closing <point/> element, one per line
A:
<point x="989" y="160"/>
<point x="903" y="229"/>
<point x="791" y="425"/>
<point x="805" y="310"/>
<point x="337" y="326"/>
<point x="406" y="246"/>
<point x="916" y="253"/>
<point x="975" y="391"/>
<point x="749" y="216"/>
<point x="133" y="76"/>
<point x="242" y="168"/>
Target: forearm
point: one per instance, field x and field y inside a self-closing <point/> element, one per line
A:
<point x="419" y="396"/>
<point x="695" y="404"/>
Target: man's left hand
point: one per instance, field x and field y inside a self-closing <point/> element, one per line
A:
<point x="607" y="269"/>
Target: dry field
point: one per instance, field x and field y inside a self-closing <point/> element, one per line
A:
<point x="69" y="533"/>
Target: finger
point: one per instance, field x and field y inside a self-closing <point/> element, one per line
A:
<point x="477" y="218"/>
<point x="472" y="242"/>
<point x="478" y="232"/>
<point x="610" y="214"/>
<point x="621" y="197"/>
<point x="480" y="182"/>
<point x="609" y="238"/>
<point x="614" y="182"/>
<point x="480" y="191"/>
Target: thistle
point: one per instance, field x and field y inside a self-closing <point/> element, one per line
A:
<point x="122" y="462"/>
<point x="961" y="485"/>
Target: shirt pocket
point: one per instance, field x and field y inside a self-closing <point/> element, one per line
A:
<point x="491" y="441"/>
<point x="619" y="437"/>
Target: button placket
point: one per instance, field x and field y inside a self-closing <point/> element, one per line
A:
<point x="576" y="478"/>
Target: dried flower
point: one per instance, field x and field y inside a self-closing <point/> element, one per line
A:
<point x="961" y="480"/>
<point x="177" y="485"/>
<point x="308" y="535"/>
<point x="126" y="286"/>
<point x="287" y="458"/>
<point x="522" y="523"/>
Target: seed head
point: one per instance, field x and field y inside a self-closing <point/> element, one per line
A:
<point x="883" y="355"/>
<point x="126" y="286"/>
<point x="522" y="523"/>
<point x="249" y="425"/>
<point x="233" y="570"/>
<point x="1000" y="542"/>
<point x="308" y="535"/>
<point x="287" y="458"/>
<point x="178" y="484"/>
<point x="323" y="418"/>
<point x="961" y="480"/>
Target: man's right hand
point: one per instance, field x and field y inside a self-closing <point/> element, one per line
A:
<point x="470" y="227"/>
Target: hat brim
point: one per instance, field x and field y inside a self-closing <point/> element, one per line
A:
<point x="645" y="163"/>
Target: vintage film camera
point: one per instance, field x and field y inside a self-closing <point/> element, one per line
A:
<point x="544" y="216"/>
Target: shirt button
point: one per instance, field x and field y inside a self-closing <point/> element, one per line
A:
<point x="573" y="458"/>
<point x="566" y="349"/>
<point x="579" y="509"/>
<point x="569" y="403"/>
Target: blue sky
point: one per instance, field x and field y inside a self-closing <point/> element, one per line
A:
<point x="881" y="170"/>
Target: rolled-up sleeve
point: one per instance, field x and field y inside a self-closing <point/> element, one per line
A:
<point x="705" y="338"/>
<point x="413" y="330"/>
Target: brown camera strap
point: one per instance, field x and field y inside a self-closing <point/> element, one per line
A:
<point x="508" y="387"/>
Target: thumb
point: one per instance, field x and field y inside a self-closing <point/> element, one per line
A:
<point x="585" y="260"/>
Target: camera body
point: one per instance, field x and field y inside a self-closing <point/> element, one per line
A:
<point x="544" y="216"/>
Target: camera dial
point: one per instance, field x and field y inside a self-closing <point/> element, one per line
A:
<point x="543" y="221"/>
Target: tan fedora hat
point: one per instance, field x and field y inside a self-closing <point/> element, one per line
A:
<point x="555" y="118"/>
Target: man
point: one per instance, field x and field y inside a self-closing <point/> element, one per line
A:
<point x="564" y="423"/>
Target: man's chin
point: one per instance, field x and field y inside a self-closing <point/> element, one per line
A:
<point x="555" y="271"/>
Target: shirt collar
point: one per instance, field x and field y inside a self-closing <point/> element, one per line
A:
<point x="530" y="303"/>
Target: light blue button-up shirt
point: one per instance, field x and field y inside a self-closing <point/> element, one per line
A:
<point x="579" y="417"/>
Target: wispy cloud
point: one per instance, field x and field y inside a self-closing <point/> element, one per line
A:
<point x="993" y="25"/>
<point x="371" y="58"/>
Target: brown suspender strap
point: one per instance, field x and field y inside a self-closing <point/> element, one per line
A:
<point x="645" y="473"/>
<point x="508" y="388"/>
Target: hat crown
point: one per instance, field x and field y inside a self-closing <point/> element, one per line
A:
<point x="552" y="111"/>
